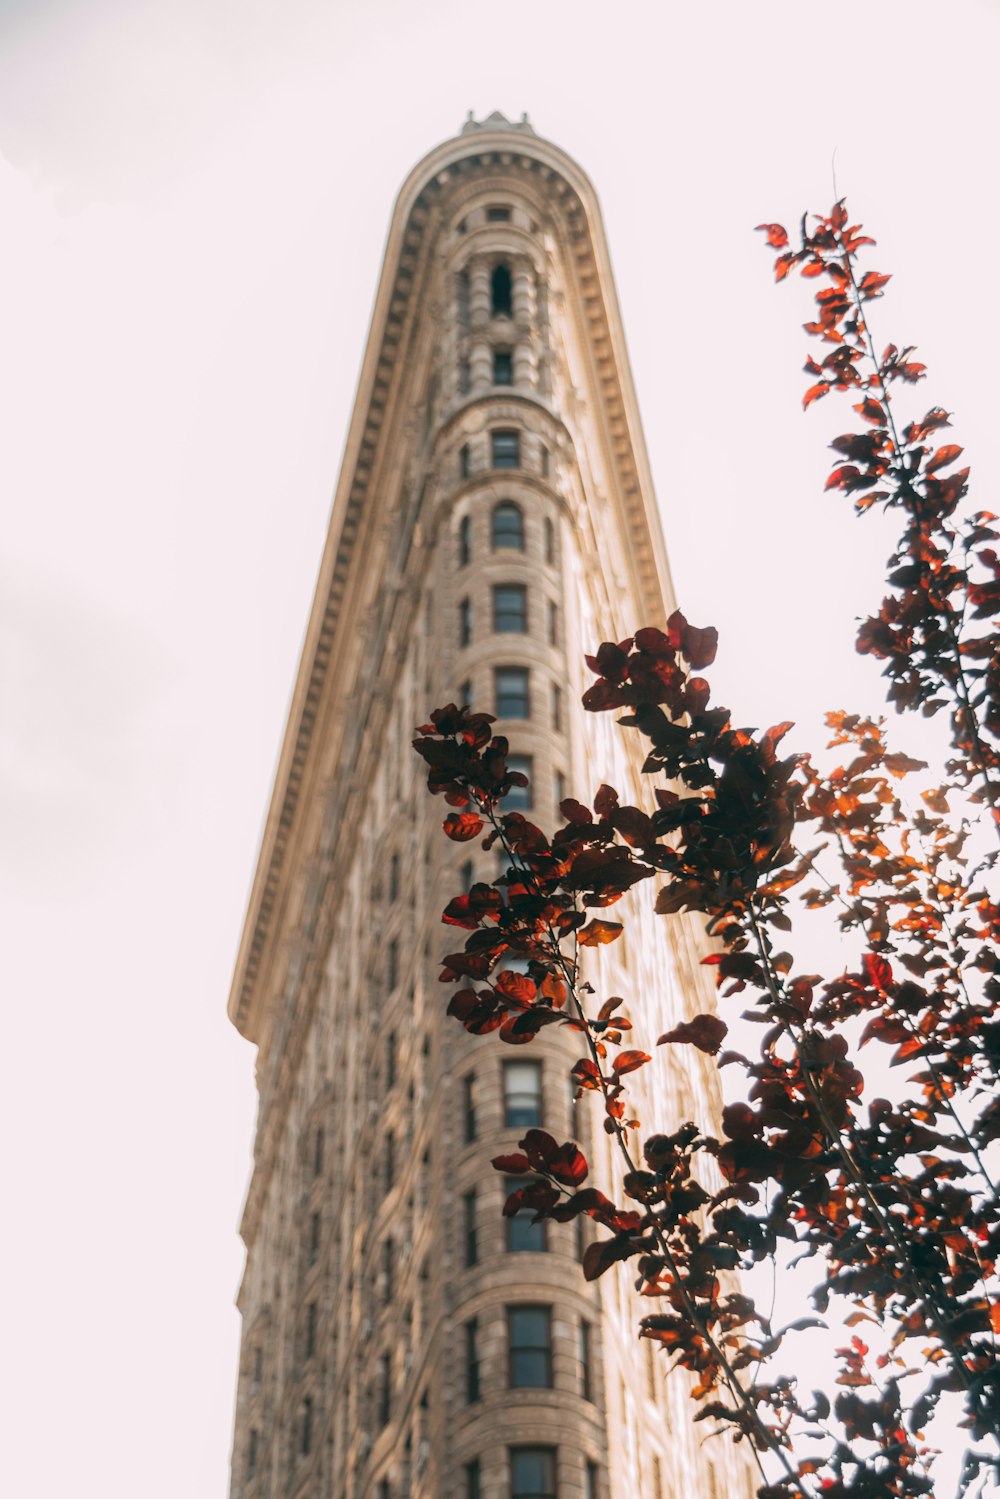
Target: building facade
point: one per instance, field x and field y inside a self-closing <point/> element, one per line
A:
<point x="494" y="518"/>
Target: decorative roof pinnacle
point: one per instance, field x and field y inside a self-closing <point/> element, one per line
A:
<point x="496" y="121"/>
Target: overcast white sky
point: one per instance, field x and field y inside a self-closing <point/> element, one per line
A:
<point x="193" y="200"/>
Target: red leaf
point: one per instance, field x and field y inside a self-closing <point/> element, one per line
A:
<point x="776" y="236"/>
<point x="512" y="1165"/>
<point x="700" y="646"/>
<point x="603" y="1253"/>
<point x="943" y="457"/>
<point x="568" y="1165"/>
<point x="704" y="1031"/>
<point x="605" y="801"/>
<point x="878" y="971"/>
<point x="815" y="393"/>
<point x="628" y="1061"/>
<point x="461" y="826"/>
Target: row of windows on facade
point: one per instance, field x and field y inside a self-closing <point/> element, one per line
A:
<point x="510" y="614"/>
<point x="532" y="1471"/>
<point x="505" y="452"/>
<point x="529" y="1352"/>
<point x="506" y="533"/>
<point x="512" y="695"/>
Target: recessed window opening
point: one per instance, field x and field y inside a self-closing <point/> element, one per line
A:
<point x="522" y="1095"/>
<point x="532" y="1473"/>
<point x="500" y="290"/>
<point x="508" y="526"/>
<point x="503" y="367"/>
<point x="530" y="1347"/>
<point x="510" y="609"/>
<point x="518" y="798"/>
<point x="506" y="447"/>
<point x="512" y="692"/>
<point x="464" y="541"/>
<point x="497" y="214"/>
<point x="523" y="1236"/>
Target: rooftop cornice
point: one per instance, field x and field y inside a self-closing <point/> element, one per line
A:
<point x="501" y="149"/>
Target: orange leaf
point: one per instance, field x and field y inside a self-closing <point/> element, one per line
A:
<point x="628" y="1061"/>
<point x="943" y="457"/>
<point x="461" y="826"/>
<point x="597" y="933"/>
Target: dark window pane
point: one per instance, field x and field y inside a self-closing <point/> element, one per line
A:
<point x="472" y="1361"/>
<point x="506" y="447"/>
<point x="512" y="692"/>
<point x="500" y="291"/>
<point x="508" y="526"/>
<point x="518" y="798"/>
<point x="465" y="622"/>
<point x="464" y="541"/>
<point x="498" y="215"/>
<point x="522" y="1093"/>
<point x="523" y="1236"/>
<point x="471" y="1228"/>
<point x="464" y="461"/>
<point x="533" y="1473"/>
<point x="503" y="367"/>
<point x="473" y="1482"/>
<point x="510" y="609"/>
<point x="530" y="1346"/>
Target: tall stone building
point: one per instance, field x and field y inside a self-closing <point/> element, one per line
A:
<point x="494" y="518"/>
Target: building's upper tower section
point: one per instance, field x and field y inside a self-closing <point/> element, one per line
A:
<point x="496" y="345"/>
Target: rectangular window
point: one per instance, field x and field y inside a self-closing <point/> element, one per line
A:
<point x="387" y="1258"/>
<point x="523" y="1236"/>
<point x="532" y="1473"/>
<point x="530" y="1338"/>
<point x="510" y="609"/>
<point x="473" y="1480"/>
<point x="390" y="1059"/>
<point x="318" y="1153"/>
<point x="310" y="1329"/>
<point x="512" y="700"/>
<point x="464" y="461"/>
<point x="586" y="1383"/>
<point x="464" y="379"/>
<point x="522" y="1095"/>
<point x="503" y="367"/>
<point x="390" y="1160"/>
<point x="472" y="1361"/>
<point x="465" y="622"/>
<point x="557" y="707"/>
<point x="498" y="215"/>
<point x="552" y="616"/>
<point x="518" y="798"/>
<point x="314" y="1231"/>
<point x="559" y="787"/>
<point x="543" y="463"/>
<point x="470" y="1228"/>
<point x="506" y="449"/>
<point x="384" y="1390"/>
<point x="305" y="1446"/>
<point x="590" y="1485"/>
<point x="465" y="695"/>
<point x="392" y="964"/>
<point x="469" y="1107"/>
<point x="252" y="1452"/>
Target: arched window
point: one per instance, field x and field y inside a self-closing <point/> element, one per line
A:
<point x="508" y="526"/>
<point x="464" y="541"/>
<point x="500" y="290"/>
